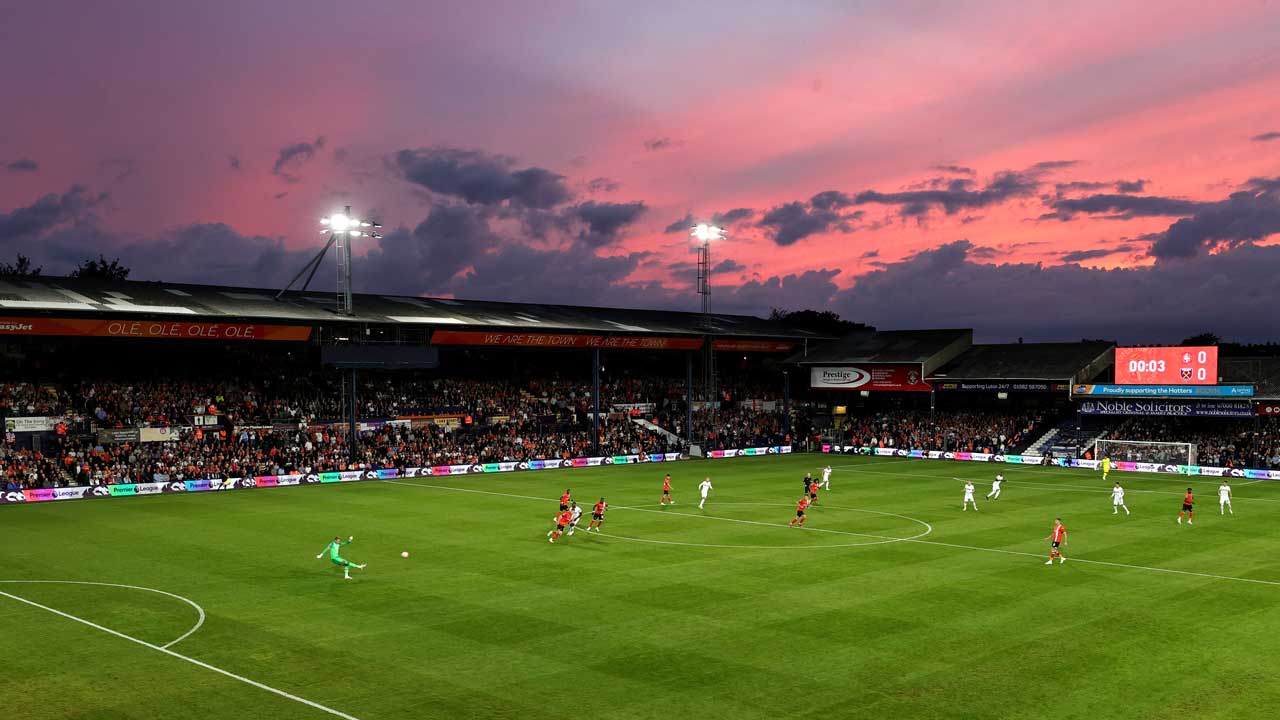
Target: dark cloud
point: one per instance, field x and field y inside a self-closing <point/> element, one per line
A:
<point x="659" y="143"/>
<point x="22" y="165"/>
<point x="1048" y="165"/>
<point x="233" y="162"/>
<point x="47" y="213"/>
<point x="602" y="185"/>
<point x="958" y="195"/>
<point x="1131" y="186"/>
<point x="480" y="178"/>
<point x="794" y="221"/>
<point x="1245" y="216"/>
<point x="212" y="253"/>
<point x="605" y="220"/>
<point x="1123" y="207"/>
<point x="830" y="200"/>
<point x="724" y="219"/>
<point x="520" y="273"/>
<point x="725" y="266"/>
<point x="1079" y="186"/>
<point x="1266" y="137"/>
<point x="810" y="289"/>
<point x="425" y="261"/>
<point x="291" y="158"/>
<point x="956" y="169"/>
<point x="681" y="225"/>
<point x="1232" y="292"/>
<point x="731" y="217"/>
<point x="1263" y="184"/>
<point x="1082" y="255"/>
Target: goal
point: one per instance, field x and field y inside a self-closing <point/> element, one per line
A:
<point x="1165" y="453"/>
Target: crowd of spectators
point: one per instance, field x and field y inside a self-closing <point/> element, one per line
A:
<point x="956" y="431"/>
<point x="292" y="423"/>
<point x="1219" y="442"/>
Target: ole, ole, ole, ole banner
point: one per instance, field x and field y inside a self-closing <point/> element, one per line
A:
<point x="158" y="329"/>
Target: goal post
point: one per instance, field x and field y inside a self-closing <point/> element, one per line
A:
<point x="1165" y="453"/>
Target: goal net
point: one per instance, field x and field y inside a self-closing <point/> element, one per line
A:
<point x="1165" y="453"/>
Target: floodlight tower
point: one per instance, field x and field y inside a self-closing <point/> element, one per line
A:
<point x="343" y="228"/>
<point x="705" y="233"/>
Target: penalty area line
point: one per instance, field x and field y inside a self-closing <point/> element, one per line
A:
<point x="180" y="656"/>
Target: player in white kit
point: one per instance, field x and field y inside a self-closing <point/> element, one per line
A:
<point x="577" y="514"/>
<point x="1224" y="499"/>
<point x="995" y="487"/>
<point x="704" y="487"/>
<point x="826" y="478"/>
<point x="1117" y="500"/>
<point x="968" y="496"/>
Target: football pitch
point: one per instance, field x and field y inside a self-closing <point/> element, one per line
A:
<point x="891" y="603"/>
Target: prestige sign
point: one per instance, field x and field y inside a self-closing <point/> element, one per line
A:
<point x="152" y="329"/>
<point x="877" y="376"/>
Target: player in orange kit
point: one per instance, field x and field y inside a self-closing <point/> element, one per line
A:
<point x="798" y="520"/>
<point x="1057" y="538"/>
<point x="597" y="516"/>
<point x="562" y="521"/>
<point x="1188" y="508"/>
<point x="564" y="500"/>
<point x="666" y="491"/>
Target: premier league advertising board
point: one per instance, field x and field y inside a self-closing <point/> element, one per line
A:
<point x="21" y="497"/>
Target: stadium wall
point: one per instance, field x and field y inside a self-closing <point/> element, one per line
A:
<point x="246" y="483"/>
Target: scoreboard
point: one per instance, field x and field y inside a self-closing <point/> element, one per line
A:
<point x="1167" y="366"/>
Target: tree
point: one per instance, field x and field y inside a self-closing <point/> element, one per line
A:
<point x="20" y="268"/>
<point x="822" y="322"/>
<point x="101" y="269"/>
<point x="1204" y="338"/>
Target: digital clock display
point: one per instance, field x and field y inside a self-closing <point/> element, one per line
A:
<point x="1167" y="366"/>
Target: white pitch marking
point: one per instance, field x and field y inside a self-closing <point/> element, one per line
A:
<point x="180" y="656"/>
<point x="881" y="539"/>
<point x="1056" y="486"/>
<point x="188" y="601"/>
<point x="918" y="541"/>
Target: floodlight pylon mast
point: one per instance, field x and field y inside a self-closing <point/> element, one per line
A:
<point x="343" y="229"/>
<point x="706" y="233"/>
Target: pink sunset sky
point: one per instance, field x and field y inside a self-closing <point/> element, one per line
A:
<point x="1049" y="171"/>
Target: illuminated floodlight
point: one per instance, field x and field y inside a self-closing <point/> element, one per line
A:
<point x="343" y="224"/>
<point x="706" y="233"/>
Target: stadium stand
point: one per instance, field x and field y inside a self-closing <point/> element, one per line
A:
<point x="1065" y="363"/>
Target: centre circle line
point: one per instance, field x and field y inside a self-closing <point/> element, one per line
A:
<point x="881" y="539"/>
<point x="189" y="601"/>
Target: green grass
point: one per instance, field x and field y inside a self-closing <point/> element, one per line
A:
<point x="487" y="619"/>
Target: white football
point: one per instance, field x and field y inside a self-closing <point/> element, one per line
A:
<point x="404" y="554"/>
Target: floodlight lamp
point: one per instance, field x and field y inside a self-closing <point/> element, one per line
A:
<point x="705" y="232"/>
<point x="339" y="222"/>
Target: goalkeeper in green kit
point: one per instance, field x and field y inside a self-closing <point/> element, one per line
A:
<point x="335" y="556"/>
